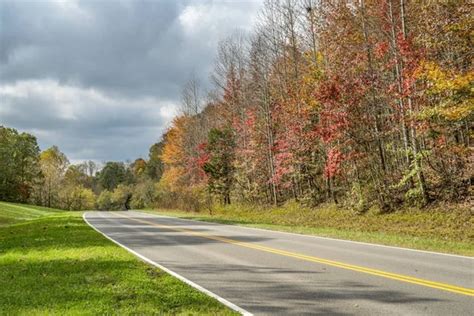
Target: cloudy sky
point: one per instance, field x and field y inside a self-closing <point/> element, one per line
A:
<point x="102" y="78"/>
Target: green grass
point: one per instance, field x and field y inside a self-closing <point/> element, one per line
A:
<point x="11" y="213"/>
<point x="56" y="264"/>
<point x="442" y="229"/>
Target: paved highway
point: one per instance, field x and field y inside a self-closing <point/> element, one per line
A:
<point x="266" y="272"/>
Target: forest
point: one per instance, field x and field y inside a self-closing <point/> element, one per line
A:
<point x="364" y="104"/>
<point x="359" y="103"/>
<point x="47" y="178"/>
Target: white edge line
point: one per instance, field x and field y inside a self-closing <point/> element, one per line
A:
<point x="176" y="275"/>
<point x="313" y="236"/>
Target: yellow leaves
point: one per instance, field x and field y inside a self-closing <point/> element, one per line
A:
<point x="139" y="166"/>
<point x="320" y="58"/>
<point x="311" y="78"/>
<point x="450" y="111"/>
<point x="444" y="81"/>
<point x="171" y="178"/>
<point x="314" y="59"/>
<point x="458" y="112"/>
<point x="453" y="92"/>
<point x="48" y="155"/>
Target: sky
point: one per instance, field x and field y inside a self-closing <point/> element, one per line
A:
<point x="102" y="79"/>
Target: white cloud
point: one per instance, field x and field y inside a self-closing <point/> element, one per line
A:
<point x="218" y="18"/>
<point x="56" y="112"/>
<point x="71" y="9"/>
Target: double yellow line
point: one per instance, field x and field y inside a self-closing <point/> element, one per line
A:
<point x="388" y="275"/>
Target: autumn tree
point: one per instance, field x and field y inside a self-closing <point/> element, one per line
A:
<point x="365" y="103"/>
<point x="53" y="164"/>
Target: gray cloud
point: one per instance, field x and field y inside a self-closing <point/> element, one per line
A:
<point x="85" y="123"/>
<point x="101" y="79"/>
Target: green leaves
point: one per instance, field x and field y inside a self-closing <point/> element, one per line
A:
<point x="19" y="168"/>
<point x="219" y="167"/>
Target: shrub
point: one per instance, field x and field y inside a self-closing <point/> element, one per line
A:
<point x="104" y="201"/>
<point x="121" y="197"/>
<point x="143" y="195"/>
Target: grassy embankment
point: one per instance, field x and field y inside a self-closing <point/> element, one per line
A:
<point x="442" y="229"/>
<point x="51" y="262"/>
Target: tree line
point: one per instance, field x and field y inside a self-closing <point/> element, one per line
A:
<point x="363" y="103"/>
<point x="28" y="175"/>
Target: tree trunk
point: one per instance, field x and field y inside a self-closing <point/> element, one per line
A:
<point x="414" y="144"/>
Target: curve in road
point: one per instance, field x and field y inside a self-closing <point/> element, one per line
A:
<point x="266" y="272"/>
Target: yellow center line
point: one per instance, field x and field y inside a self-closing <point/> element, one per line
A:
<point x="388" y="275"/>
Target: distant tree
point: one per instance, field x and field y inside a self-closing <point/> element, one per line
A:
<point x="75" y="192"/>
<point x="155" y="167"/>
<point x="19" y="164"/>
<point x="104" y="201"/>
<point x="76" y="175"/>
<point x="113" y="174"/>
<point x="191" y="97"/>
<point x="88" y="167"/>
<point x="85" y="199"/>
<point x="121" y="197"/>
<point x="53" y="166"/>
<point x="138" y="167"/>
<point x="76" y="198"/>
<point x="143" y="194"/>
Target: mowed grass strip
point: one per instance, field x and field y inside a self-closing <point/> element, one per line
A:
<point x="11" y="213"/>
<point x="441" y="229"/>
<point x="58" y="265"/>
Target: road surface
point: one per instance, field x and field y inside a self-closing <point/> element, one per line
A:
<point x="266" y="272"/>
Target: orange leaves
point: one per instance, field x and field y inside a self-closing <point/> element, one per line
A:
<point x="174" y="153"/>
<point x="173" y="150"/>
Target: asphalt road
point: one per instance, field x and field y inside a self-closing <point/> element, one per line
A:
<point x="266" y="272"/>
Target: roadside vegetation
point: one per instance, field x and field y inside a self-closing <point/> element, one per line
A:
<point x="55" y="264"/>
<point x="441" y="229"/>
<point x="13" y="213"/>
<point x="347" y="119"/>
<point x="364" y="106"/>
